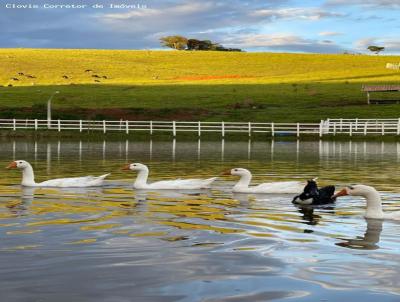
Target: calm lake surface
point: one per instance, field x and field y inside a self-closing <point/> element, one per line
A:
<point x="115" y="244"/>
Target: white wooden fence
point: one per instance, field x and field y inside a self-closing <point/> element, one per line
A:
<point x="172" y="127"/>
<point x="362" y="126"/>
<point x="330" y="126"/>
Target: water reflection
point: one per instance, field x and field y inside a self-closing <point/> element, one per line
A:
<point x="309" y="215"/>
<point x="323" y="148"/>
<point x="216" y="245"/>
<point x="370" y="239"/>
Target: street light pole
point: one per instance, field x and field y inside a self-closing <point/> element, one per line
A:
<point x="49" y="109"/>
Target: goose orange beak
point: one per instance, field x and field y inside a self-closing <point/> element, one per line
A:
<point x="343" y="192"/>
<point x="126" y="167"/>
<point x="226" y="172"/>
<point x="12" y="165"/>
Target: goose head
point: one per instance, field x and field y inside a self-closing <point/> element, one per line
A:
<point x="18" y="164"/>
<point x="237" y="172"/>
<point x="309" y="192"/>
<point x="135" y="167"/>
<point x="357" y="190"/>
<point x="311" y="188"/>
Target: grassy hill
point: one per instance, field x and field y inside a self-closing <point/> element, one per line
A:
<point x="191" y="85"/>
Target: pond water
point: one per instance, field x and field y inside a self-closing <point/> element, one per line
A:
<point x="115" y="244"/>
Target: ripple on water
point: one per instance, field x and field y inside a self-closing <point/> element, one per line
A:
<point x="197" y="246"/>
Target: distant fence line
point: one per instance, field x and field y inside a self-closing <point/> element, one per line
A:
<point x="325" y="127"/>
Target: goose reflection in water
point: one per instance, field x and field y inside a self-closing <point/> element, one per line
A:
<point x="143" y="195"/>
<point x="248" y="199"/>
<point x="21" y="207"/>
<point x="370" y="239"/>
<point x="309" y="216"/>
<point x="29" y="194"/>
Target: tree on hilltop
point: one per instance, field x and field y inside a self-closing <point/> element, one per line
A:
<point x="182" y="43"/>
<point x="375" y="49"/>
<point x="175" y="42"/>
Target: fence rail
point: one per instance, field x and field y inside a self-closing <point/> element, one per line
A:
<point x="364" y="127"/>
<point x="163" y="126"/>
<point x="329" y="126"/>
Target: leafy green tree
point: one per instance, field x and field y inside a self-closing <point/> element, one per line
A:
<point x="175" y="42"/>
<point x="193" y="44"/>
<point x="376" y="49"/>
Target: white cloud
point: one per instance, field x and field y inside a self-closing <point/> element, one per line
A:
<point x="330" y="33"/>
<point x="370" y="3"/>
<point x="295" y="13"/>
<point x="175" y="11"/>
<point x="284" y="42"/>
<point x="391" y="44"/>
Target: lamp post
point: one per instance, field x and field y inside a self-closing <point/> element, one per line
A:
<point x="49" y="109"/>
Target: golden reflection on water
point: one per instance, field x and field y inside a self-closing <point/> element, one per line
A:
<point x="214" y="219"/>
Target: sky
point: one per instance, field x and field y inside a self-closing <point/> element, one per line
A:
<point x="318" y="26"/>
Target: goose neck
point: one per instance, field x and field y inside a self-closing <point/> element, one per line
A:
<point x="28" y="177"/>
<point x="374" y="205"/>
<point x="141" y="179"/>
<point x="244" y="180"/>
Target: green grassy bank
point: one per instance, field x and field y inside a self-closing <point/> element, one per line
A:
<point x="183" y="85"/>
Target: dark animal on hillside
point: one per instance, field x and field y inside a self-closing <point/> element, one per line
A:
<point x="30" y="76"/>
<point x="104" y="77"/>
<point x="95" y="76"/>
<point x="65" y="77"/>
<point x="10" y="85"/>
<point x="313" y="195"/>
<point x="97" y="81"/>
<point x="14" y="79"/>
<point x="20" y="73"/>
<point x="88" y="70"/>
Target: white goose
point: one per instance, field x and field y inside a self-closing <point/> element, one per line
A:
<point x="280" y="187"/>
<point x="374" y="201"/>
<point x="177" y="184"/>
<point x="28" y="178"/>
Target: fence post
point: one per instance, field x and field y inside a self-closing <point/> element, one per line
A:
<point x="80" y="125"/>
<point x="174" y="128"/>
<point x="249" y="129"/>
<point x="341" y="125"/>
<point x="298" y="129"/>
<point x="398" y="127"/>
<point x="14" y="124"/>
<point x="356" y="128"/>
<point x="383" y="128"/>
<point x="36" y="125"/>
<point x="127" y="127"/>
<point x="334" y="128"/>
<point x="199" y="128"/>
<point x="59" y="125"/>
<point x="104" y="126"/>
<point x="321" y="124"/>
<point x="272" y="129"/>
<point x="351" y="129"/>
<point x="365" y="128"/>
<point x="223" y="129"/>
<point x="151" y="127"/>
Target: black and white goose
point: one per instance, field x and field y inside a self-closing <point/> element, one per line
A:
<point x="315" y="196"/>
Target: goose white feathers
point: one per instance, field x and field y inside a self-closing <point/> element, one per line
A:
<point x="28" y="178"/>
<point x="374" y="202"/>
<point x="280" y="187"/>
<point x="176" y="184"/>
